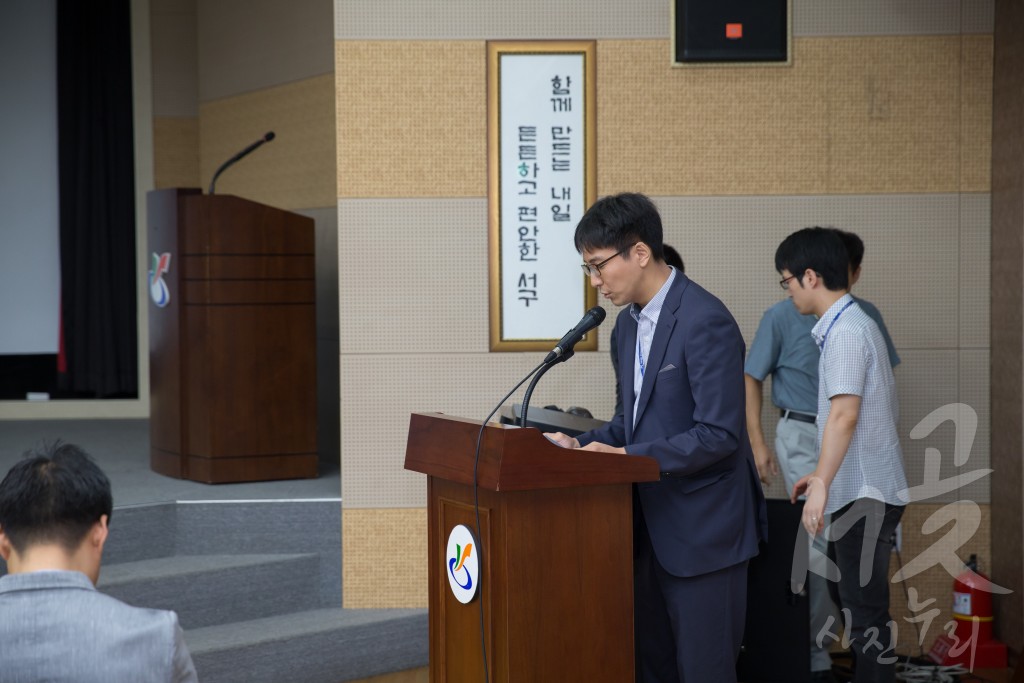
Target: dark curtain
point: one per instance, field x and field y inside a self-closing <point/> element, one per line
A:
<point x="97" y="198"/>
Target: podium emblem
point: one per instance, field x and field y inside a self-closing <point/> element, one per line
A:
<point x="462" y="564"/>
<point x="158" y="291"/>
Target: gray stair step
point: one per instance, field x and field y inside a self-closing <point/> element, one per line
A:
<point x="313" y="646"/>
<point x="249" y="528"/>
<point x="215" y="589"/>
<point x="140" y="532"/>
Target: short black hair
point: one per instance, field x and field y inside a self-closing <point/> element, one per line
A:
<point x="620" y="221"/>
<point x="673" y="258"/>
<point x="53" y="495"/>
<point x="817" y="249"/>
<point x="854" y="247"/>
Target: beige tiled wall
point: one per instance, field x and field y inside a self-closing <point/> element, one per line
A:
<point x="852" y="116"/>
<point x="891" y="17"/>
<point x="895" y="114"/>
<point x="297" y="169"/>
<point x="385" y="558"/>
<point x="587" y="19"/>
<point x="176" y="152"/>
<point x="435" y="350"/>
<point x="976" y="113"/>
<point x="411" y="119"/>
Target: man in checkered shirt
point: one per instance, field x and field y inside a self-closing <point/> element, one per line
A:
<point x="860" y="464"/>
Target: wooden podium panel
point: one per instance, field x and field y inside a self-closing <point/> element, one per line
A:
<point x="556" y="577"/>
<point x="233" y="351"/>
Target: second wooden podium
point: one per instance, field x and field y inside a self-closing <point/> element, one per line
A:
<point x="232" y="335"/>
<point x="556" y="572"/>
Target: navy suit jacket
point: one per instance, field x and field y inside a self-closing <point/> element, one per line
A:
<point x="707" y="511"/>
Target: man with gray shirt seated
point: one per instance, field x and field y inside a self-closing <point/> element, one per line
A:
<point x="55" y="510"/>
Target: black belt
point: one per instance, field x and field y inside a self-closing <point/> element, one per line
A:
<point x="799" y="417"/>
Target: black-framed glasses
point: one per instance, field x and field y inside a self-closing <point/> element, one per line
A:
<point x="594" y="269"/>
<point x="784" y="282"/>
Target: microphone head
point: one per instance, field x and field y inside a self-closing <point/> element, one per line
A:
<point x="597" y="314"/>
<point x="269" y="136"/>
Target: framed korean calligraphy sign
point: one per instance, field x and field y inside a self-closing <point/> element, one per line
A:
<point x="542" y="176"/>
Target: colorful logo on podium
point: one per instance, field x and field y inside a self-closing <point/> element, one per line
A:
<point x="158" y="291"/>
<point x="462" y="564"/>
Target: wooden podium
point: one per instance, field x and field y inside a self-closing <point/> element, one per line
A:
<point x="556" y="573"/>
<point x="232" y="339"/>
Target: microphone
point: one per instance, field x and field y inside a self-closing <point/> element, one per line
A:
<point x="590" y="320"/>
<point x="223" y="167"/>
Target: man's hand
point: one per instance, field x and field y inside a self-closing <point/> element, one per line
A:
<point x="839" y="428"/>
<point x="816" y="491"/>
<point x="599" y="447"/>
<point x="767" y="464"/>
<point x="563" y="440"/>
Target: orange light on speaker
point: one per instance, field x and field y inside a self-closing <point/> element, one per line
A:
<point x="734" y="31"/>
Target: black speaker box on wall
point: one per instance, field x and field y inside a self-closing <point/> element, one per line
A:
<point x="726" y="31"/>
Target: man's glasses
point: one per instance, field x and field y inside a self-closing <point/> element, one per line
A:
<point x="784" y="282"/>
<point x="594" y="269"/>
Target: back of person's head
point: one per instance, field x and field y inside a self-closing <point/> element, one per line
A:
<point x="817" y="249"/>
<point x="854" y="247"/>
<point x="673" y="258"/>
<point x="620" y="221"/>
<point x="53" y="496"/>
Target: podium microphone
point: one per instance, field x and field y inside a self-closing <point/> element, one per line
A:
<point x="590" y="320"/>
<point x="223" y="167"/>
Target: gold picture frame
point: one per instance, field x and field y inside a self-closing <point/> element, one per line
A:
<point x="546" y="269"/>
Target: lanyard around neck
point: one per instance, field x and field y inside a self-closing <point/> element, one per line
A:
<point x="825" y="336"/>
<point x="640" y="353"/>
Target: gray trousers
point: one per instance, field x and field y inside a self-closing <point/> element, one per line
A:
<point x="794" y="446"/>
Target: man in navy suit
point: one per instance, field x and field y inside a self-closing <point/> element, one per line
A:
<point x="683" y="404"/>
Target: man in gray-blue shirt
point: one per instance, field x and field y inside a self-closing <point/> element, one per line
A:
<point x="783" y="348"/>
<point x="55" y="625"/>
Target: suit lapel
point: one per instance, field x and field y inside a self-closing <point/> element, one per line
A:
<point x="659" y="345"/>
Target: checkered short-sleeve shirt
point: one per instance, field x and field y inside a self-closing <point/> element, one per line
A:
<point x="854" y="360"/>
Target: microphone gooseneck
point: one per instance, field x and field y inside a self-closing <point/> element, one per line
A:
<point x="536" y="378"/>
<point x="223" y="167"/>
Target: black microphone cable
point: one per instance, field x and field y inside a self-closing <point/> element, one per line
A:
<point x="476" y="510"/>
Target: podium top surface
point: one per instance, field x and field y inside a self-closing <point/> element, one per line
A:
<point x="188" y="222"/>
<point x="511" y="458"/>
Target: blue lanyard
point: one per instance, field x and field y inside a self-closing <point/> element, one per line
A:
<point x="825" y="337"/>
<point x="640" y="352"/>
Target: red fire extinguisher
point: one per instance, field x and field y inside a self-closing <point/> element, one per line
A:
<point x="970" y="642"/>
